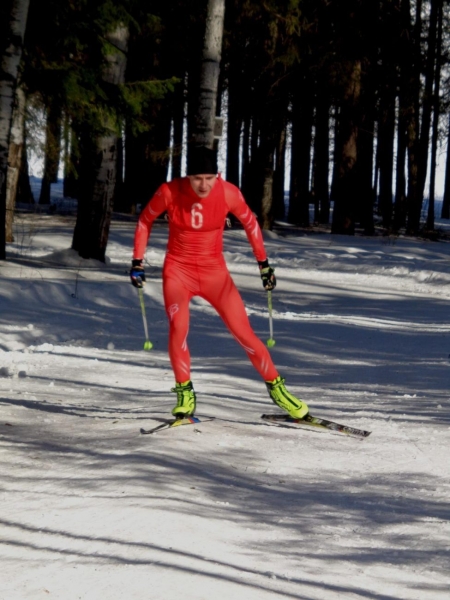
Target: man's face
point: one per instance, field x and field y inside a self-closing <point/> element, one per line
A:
<point x="202" y="184"/>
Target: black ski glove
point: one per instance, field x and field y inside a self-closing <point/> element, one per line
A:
<point x="267" y="273"/>
<point x="137" y="273"/>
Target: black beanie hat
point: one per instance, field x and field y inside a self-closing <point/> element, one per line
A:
<point x="202" y="161"/>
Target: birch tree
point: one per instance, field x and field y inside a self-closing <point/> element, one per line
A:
<point x="10" y="61"/>
<point x="16" y="144"/>
<point x="203" y="134"/>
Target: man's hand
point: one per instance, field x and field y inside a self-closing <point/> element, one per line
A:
<point x="267" y="273"/>
<point x="137" y="273"/>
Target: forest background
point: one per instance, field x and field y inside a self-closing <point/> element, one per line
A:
<point x="355" y="94"/>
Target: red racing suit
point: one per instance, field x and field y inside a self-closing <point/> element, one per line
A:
<point x="194" y="265"/>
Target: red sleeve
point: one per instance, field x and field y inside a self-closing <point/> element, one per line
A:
<point x="240" y="209"/>
<point x="156" y="206"/>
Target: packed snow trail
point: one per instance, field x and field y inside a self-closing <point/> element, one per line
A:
<point x="233" y="507"/>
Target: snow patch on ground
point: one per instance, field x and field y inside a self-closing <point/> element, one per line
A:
<point x="233" y="507"/>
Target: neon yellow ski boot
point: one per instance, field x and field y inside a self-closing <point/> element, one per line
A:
<point x="285" y="400"/>
<point x="186" y="400"/>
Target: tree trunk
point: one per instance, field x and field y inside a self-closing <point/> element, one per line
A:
<point x="445" y="211"/>
<point x="302" y="123"/>
<point x="435" y="126"/>
<point x="159" y="150"/>
<point x="178" y="130"/>
<point x="259" y="173"/>
<point x="401" y="199"/>
<point x="364" y="168"/>
<point x="279" y="209"/>
<point x="16" y="144"/>
<point x="71" y="161"/>
<point x="386" y="131"/>
<point x="52" y="149"/>
<point x="251" y="168"/>
<point x="246" y="164"/>
<point x="203" y="134"/>
<point x="345" y="186"/>
<point x="321" y="163"/>
<point x="386" y="121"/>
<point x="267" y="193"/>
<point x="119" y="190"/>
<point x="412" y="67"/>
<point x="427" y="99"/>
<point x="9" y="69"/>
<point x="99" y="165"/>
<point x="234" y="125"/>
<point x="400" y="205"/>
<point x="24" y="192"/>
<point x="258" y="181"/>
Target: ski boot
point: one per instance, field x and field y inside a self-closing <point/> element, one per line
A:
<point x="186" y="400"/>
<point x="285" y="400"/>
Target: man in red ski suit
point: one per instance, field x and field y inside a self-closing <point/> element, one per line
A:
<point x="197" y="206"/>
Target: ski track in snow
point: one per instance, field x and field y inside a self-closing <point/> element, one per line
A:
<point x="232" y="508"/>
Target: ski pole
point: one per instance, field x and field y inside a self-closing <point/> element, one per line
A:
<point x="147" y="344"/>
<point x="270" y="341"/>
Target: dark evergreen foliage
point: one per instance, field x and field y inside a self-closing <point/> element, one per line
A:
<point x="352" y="91"/>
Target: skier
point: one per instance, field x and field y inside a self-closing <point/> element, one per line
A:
<point x="194" y="265"/>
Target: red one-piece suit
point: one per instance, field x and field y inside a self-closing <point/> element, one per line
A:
<point x="195" y="266"/>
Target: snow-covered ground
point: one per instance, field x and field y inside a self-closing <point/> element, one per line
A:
<point x="232" y="508"/>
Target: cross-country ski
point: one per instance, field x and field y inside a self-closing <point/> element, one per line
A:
<point x="172" y="423"/>
<point x="310" y="421"/>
